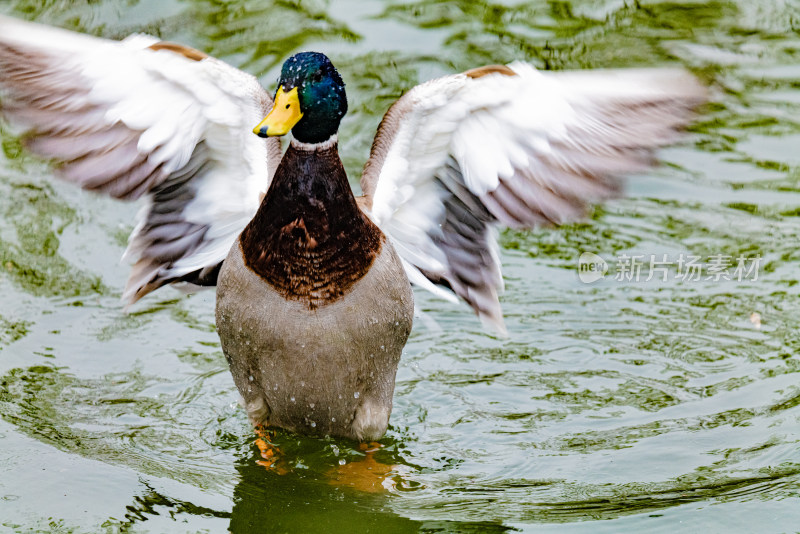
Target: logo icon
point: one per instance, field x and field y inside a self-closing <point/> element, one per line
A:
<point x="591" y="268"/>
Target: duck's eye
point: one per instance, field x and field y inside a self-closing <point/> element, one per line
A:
<point x="317" y="77"/>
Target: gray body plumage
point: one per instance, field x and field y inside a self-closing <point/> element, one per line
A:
<point x="323" y="371"/>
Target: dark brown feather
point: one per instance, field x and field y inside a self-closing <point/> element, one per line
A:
<point x="309" y="239"/>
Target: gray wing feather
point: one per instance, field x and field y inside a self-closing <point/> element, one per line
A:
<point x="612" y="125"/>
<point x="60" y="89"/>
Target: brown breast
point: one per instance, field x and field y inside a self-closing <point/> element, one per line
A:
<point x="309" y="239"/>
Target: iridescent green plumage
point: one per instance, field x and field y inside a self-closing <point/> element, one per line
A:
<point x="323" y="101"/>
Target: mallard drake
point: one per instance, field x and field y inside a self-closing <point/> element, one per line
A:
<point x="314" y="300"/>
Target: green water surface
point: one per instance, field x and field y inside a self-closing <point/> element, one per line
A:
<point x="620" y="406"/>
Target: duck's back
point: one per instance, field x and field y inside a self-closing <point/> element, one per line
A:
<point x="313" y="307"/>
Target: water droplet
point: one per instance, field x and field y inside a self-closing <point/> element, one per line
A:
<point x="250" y="378"/>
<point x="313" y="424"/>
<point x="311" y="405"/>
<point x="247" y="342"/>
<point x="342" y="461"/>
<point x="291" y="399"/>
<point x="356" y="395"/>
<point x="383" y="348"/>
<point x="333" y="419"/>
<point x="397" y="323"/>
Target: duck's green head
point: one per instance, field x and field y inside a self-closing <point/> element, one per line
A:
<point x="310" y="100"/>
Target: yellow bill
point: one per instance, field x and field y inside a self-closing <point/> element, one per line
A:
<point x="284" y="115"/>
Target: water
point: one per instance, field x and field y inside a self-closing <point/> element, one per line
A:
<point x="618" y="406"/>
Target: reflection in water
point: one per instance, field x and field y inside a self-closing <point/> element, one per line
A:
<point x="298" y="502"/>
<point x="133" y="419"/>
<point x="29" y="245"/>
<point x="606" y="401"/>
<point x="152" y="503"/>
<point x="560" y="35"/>
<point x="302" y="501"/>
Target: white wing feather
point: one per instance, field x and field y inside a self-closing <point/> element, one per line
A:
<point x="129" y="120"/>
<point x="457" y="156"/>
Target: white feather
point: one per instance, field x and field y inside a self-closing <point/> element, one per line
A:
<point x="529" y="148"/>
<point x="170" y="105"/>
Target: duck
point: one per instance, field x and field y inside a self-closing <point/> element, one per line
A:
<point x="314" y="301"/>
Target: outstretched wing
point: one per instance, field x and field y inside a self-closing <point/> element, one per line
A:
<point x="456" y="156"/>
<point x="147" y="118"/>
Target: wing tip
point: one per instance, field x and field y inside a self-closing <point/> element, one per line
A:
<point x="39" y="36"/>
<point x="494" y="322"/>
<point x="144" y="279"/>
